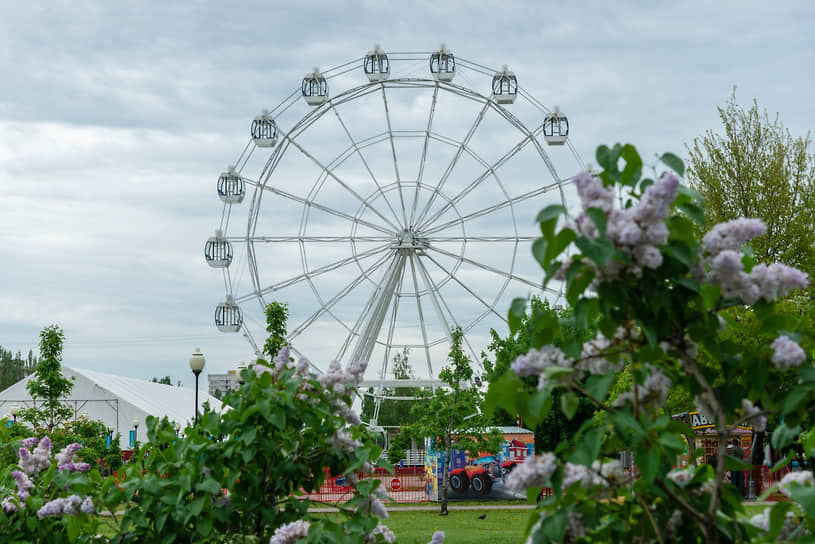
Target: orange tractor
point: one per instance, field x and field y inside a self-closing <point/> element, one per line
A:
<point x="478" y="473"/>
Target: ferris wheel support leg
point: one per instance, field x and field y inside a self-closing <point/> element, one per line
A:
<point x="421" y="315"/>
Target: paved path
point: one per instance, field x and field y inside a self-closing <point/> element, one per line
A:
<point x="452" y="507"/>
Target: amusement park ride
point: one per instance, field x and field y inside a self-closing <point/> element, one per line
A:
<point x="366" y="211"/>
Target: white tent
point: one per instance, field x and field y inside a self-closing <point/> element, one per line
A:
<point x="117" y="401"/>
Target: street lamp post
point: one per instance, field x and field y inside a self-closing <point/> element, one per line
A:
<point x="15" y="409"/>
<point x="177" y="428"/>
<point x="135" y="430"/>
<point x="197" y="362"/>
<point x="241" y="368"/>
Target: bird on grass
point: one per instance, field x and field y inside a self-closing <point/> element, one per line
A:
<point x="483" y="516"/>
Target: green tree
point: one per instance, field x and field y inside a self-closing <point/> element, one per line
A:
<point x="276" y="315"/>
<point x="453" y="417"/>
<point x="758" y="169"/>
<point x="165" y="380"/>
<point x="49" y="384"/>
<point x="394" y="412"/>
<point x="505" y="350"/>
<point x="14" y="368"/>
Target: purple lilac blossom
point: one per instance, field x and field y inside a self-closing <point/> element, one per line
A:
<point x="87" y="506"/>
<point x="24" y="484"/>
<point x="387" y="534"/>
<point x="9" y="507"/>
<point x="30" y="442"/>
<point x="731" y="235"/>
<point x="437" y="538"/>
<point x="786" y="353"/>
<point x="65" y="458"/>
<point x="290" y="532"/>
<point x="344" y="442"/>
<point x="38" y="460"/>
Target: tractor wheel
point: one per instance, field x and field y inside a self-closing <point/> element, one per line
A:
<point x="482" y="484"/>
<point x="458" y="482"/>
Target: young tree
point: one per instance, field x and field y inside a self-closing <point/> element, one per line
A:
<point x="505" y="350"/>
<point x="49" y="384"/>
<point x="276" y="315"/>
<point x="165" y="380"/>
<point x="758" y="169"/>
<point x="453" y="417"/>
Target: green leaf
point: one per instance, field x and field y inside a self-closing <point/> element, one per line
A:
<point x="648" y="463"/>
<point x="783" y="436"/>
<point x="569" y="402"/>
<point x="633" y="166"/>
<point x="711" y="295"/>
<point x="693" y="211"/>
<point x="578" y="285"/>
<point x="793" y="399"/>
<point x="598" y="384"/>
<point x="693" y="195"/>
<point x="552" y="211"/>
<point x="539" y="250"/>
<point x="503" y="392"/>
<point x="777" y="517"/>
<point x="589" y="446"/>
<point x="559" y="244"/>
<point x="517" y="312"/>
<point x="672" y="442"/>
<point x="598" y="250"/>
<point x="690" y="284"/>
<point x="674" y="163"/>
<point x="598" y="217"/>
<point x="539" y="405"/>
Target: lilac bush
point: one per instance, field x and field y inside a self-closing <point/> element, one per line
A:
<point x="652" y="299"/>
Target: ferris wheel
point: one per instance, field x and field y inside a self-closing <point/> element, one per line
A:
<point x="390" y="210"/>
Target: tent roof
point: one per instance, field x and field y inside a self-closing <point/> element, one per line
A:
<point x="157" y="399"/>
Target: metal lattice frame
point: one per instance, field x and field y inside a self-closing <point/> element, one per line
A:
<point x="399" y="235"/>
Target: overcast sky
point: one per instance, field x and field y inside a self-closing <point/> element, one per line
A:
<point x="115" y="121"/>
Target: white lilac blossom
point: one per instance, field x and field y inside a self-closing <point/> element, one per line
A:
<point x="290" y="532"/>
<point x="731" y="235"/>
<point x="786" y="353"/>
<point x="533" y="472"/>
<point x="612" y="471"/>
<point x="582" y="474"/>
<point x="593" y="357"/>
<point x="776" y="280"/>
<point x="680" y="476"/>
<point x="804" y="478"/>
<point x="387" y="534"/>
<point x="534" y="361"/>
<point x="344" y="442"/>
<point x="24" y="484"/>
<point x="753" y="416"/>
<point x="437" y="538"/>
<point x="349" y="415"/>
<point x="762" y="521"/>
<point x="653" y="392"/>
<point x="575" y="527"/>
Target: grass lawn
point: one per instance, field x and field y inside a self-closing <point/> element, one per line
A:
<point x="460" y="527"/>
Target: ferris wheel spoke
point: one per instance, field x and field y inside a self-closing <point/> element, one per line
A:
<point x="433" y="289"/>
<point x="491" y="209"/>
<point x="367" y="340"/>
<point x="342" y="293"/>
<point x="342" y="184"/>
<point x="488" y="306"/>
<point x="488" y="268"/>
<point x="326" y="239"/>
<point x="490" y="169"/>
<point x="421" y="315"/>
<point x="314" y="273"/>
<point x="383" y="373"/>
<point x="395" y="160"/>
<point x="450" y="167"/>
<point x="321" y="207"/>
<point x="484" y="238"/>
<point x="422" y="161"/>
<point x="365" y="162"/>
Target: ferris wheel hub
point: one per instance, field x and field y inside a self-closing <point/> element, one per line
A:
<point x="409" y="239"/>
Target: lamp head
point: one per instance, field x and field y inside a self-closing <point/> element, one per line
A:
<point x="197" y="361"/>
<point x="135" y="422"/>
<point x="15" y="409"/>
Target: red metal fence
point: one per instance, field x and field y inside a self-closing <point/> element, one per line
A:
<point x="406" y="485"/>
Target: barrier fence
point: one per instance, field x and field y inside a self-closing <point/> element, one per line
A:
<point x="406" y="485"/>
